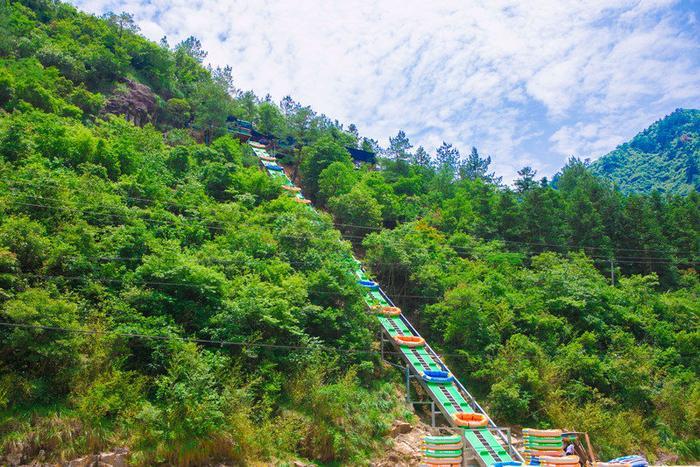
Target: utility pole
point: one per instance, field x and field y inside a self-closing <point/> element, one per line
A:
<point x="612" y="271"/>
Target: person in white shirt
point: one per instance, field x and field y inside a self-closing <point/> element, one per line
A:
<point x="569" y="451"/>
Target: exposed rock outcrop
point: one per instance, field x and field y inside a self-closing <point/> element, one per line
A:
<point x="117" y="458"/>
<point x="135" y="101"/>
<point x="405" y="450"/>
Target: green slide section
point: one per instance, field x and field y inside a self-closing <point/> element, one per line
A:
<point x="448" y="397"/>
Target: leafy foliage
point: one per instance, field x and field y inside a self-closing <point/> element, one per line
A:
<point x="111" y="232"/>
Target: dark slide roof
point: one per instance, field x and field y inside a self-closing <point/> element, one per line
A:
<point x="360" y="155"/>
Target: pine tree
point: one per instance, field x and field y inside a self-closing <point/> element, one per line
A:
<point x="370" y="145"/>
<point x="399" y="147"/>
<point x="508" y="216"/>
<point x="122" y="22"/>
<point x="447" y="158"/>
<point x="192" y="47"/>
<point x="542" y="212"/>
<point x="526" y="181"/>
<point x="474" y="166"/>
<point x="421" y="158"/>
<point x="586" y="224"/>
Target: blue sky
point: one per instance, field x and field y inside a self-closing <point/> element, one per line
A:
<point x="528" y="83"/>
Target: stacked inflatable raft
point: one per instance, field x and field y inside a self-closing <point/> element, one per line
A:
<point x="442" y="451"/>
<point x="541" y="444"/>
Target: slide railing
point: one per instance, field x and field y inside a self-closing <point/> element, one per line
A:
<point x="450" y="396"/>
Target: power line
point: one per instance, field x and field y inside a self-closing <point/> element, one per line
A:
<point x="206" y="285"/>
<point x="173" y="223"/>
<point x="171" y="203"/>
<point x="189" y="339"/>
<point x="216" y="342"/>
<point x="390" y="265"/>
<point x="567" y="246"/>
<point x="659" y="261"/>
<point x="584" y="247"/>
<point x="168" y="283"/>
<point x="280" y="235"/>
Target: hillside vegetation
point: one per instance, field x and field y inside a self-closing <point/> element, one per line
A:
<point x="158" y="291"/>
<point x="515" y="287"/>
<point x="665" y="157"/>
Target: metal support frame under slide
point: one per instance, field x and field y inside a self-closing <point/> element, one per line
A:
<point x="469" y="398"/>
<point x="507" y="439"/>
<point x="406" y="370"/>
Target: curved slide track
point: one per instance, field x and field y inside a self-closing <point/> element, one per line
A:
<point x="452" y="399"/>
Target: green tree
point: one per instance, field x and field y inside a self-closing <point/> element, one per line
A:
<point x="526" y="181"/>
<point x="42" y="360"/>
<point x="177" y="112"/>
<point x="447" y="158"/>
<point x="475" y="167"/>
<point x="121" y="22"/>
<point x="192" y="47"/>
<point x="211" y="108"/>
<point x="270" y="120"/>
<point x="336" y="179"/>
<point x="27" y="239"/>
<point x="399" y="147"/>
<point x="358" y="210"/>
<point x="318" y="157"/>
<point x="421" y="157"/>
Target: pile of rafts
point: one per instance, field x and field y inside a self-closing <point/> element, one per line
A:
<point x="546" y="448"/>
<point x="442" y="451"/>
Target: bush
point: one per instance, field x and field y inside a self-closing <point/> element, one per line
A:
<point x="359" y="210"/>
<point x="45" y="359"/>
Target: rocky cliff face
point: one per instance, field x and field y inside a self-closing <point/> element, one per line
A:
<point x="18" y="457"/>
<point x="405" y="448"/>
<point x="133" y="100"/>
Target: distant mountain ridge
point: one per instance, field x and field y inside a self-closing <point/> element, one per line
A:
<point x="665" y="157"/>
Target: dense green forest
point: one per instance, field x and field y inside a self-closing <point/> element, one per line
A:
<point x="665" y="157"/>
<point x="158" y="291"/>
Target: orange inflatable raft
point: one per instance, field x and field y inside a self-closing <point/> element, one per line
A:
<point x="268" y="158"/>
<point x="471" y="420"/>
<point x="302" y="200"/>
<point x="547" y="433"/>
<point x="388" y="311"/>
<point x="441" y="447"/>
<point x="544" y="453"/>
<point x="410" y="341"/>
<point x="291" y="188"/>
<point x="566" y="461"/>
<point x="444" y="461"/>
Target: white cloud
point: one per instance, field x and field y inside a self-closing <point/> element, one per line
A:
<point x="528" y="83"/>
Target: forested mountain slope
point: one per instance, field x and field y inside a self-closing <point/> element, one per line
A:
<point x="111" y="233"/>
<point x="158" y="291"/>
<point x="665" y="157"/>
<point x="516" y="287"/>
